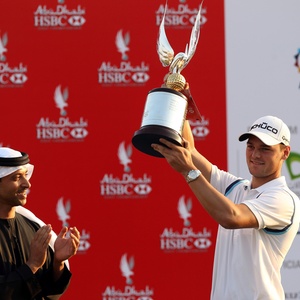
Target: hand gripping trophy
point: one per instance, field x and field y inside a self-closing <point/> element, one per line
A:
<point x="167" y="107"/>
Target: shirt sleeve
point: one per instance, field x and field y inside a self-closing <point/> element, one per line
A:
<point x="273" y="209"/>
<point x="220" y="180"/>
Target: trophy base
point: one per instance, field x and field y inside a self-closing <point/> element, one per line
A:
<point x="147" y="135"/>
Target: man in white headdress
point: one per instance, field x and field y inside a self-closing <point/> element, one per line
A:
<point x="33" y="260"/>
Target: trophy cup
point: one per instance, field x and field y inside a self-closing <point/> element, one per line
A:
<point x="167" y="107"/>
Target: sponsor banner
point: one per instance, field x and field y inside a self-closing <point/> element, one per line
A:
<point x="74" y="77"/>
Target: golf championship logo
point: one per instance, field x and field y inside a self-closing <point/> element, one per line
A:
<point x="127" y="185"/>
<point x="61" y="129"/>
<point x="186" y="239"/>
<point x="128" y="291"/>
<point x="124" y="73"/>
<point x="10" y="75"/>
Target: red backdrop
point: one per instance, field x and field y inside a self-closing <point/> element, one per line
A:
<point x="68" y="49"/>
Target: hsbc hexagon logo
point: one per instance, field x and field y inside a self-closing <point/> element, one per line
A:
<point x="79" y="133"/>
<point x="142" y="189"/>
<point x="140" y="77"/>
<point x="202" y="243"/>
<point x="76" y="20"/>
<point x="18" y="78"/>
<point x="200" y="129"/>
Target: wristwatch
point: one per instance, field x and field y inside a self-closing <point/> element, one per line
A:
<point x="192" y="175"/>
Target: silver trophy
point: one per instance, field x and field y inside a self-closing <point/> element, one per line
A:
<point x="167" y="107"/>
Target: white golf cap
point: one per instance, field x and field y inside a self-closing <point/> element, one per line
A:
<point x="270" y="130"/>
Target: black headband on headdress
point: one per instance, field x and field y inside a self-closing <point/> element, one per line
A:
<point x="14" y="161"/>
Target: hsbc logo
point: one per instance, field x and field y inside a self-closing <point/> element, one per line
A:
<point x="10" y="76"/>
<point x="76" y="21"/>
<point x="142" y="189"/>
<point x="11" y="79"/>
<point x="123" y="73"/>
<point x="59" y="17"/>
<point x="128" y="185"/>
<point x="79" y="133"/>
<point x="63" y="129"/>
<point x="179" y="17"/>
<point x="200" y="129"/>
<point x="18" y="78"/>
<point x="185" y="241"/>
<point x="140" y="77"/>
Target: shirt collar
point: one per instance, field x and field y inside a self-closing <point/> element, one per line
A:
<point x="275" y="182"/>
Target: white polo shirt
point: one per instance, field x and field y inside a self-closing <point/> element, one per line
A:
<point x="247" y="261"/>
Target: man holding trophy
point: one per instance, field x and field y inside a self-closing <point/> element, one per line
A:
<point x="258" y="218"/>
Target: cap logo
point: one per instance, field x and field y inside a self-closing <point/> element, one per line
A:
<point x="265" y="126"/>
<point x="285" y="139"/>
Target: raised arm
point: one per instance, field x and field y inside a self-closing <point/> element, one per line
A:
<point x="199" y="161"/>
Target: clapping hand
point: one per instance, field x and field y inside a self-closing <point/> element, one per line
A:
<point x="66" y="243"/>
